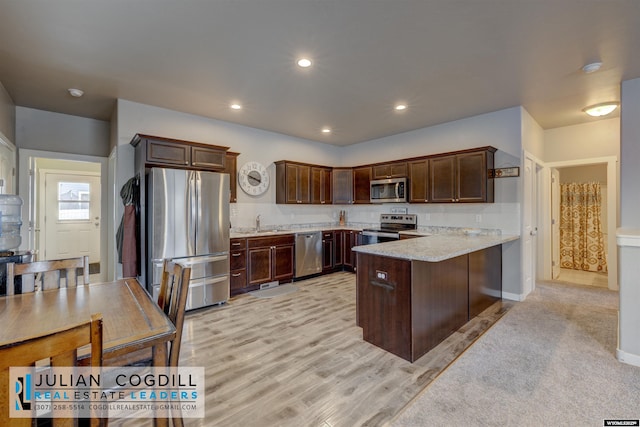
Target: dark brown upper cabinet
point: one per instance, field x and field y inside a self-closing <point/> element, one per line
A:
<point x="362" y="184"/>
<point x="231" y="167"/>
<point x="389" y="170"/>
<point x="419" y="181"/>
<point x="174" y="153"/>
<point x="321" y="185"/>
<point x="462" y="177"/>
<point x="342" y="186"/>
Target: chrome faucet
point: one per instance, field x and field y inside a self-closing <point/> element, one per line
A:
<point x="258" y="223"/>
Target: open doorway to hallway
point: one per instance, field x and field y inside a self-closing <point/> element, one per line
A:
<point x="600" y="268"/>
<point x="580" y="215"/>
<point x="63" y="202"/>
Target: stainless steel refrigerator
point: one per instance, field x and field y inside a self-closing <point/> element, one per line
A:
<point x="188" y="221"/>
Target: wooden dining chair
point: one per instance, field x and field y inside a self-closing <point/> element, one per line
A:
<point x="60" y="348"/>
<point x="43" y="275"/>
<point x="172" y="299"/>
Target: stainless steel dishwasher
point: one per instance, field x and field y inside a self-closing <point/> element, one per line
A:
<point x="308" y="253"/>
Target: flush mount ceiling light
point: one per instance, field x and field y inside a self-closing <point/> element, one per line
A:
<point x="601" y="109"/>
<point x="304" y="62"/>
<point x="76" y="93"/>
<point x="326" y="130"/>
<point x="400" y="107"/>
<point x="236" y="106"/>
<point x="592" y="67"/>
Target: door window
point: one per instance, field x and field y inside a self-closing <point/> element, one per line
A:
<point x="73" y="201"/>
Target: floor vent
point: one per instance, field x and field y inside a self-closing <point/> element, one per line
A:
<point x="269" y="285"/>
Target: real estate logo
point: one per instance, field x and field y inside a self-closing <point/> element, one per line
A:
<point x="119" y="392"/>
<point x="23" y="387"/>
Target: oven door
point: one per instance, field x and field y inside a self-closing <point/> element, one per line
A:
<point x="369" y="237"/>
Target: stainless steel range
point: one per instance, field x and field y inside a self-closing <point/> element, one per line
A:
<point x="390" y="227"/>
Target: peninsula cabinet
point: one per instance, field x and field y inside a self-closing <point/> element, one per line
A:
<point x="419" y="181"/>
<point x="362" y="184"/>
<point x="342" y="186"/>
<point x="165" y="152"/>
<point x="270" y="258"/>
<point x="408" y="307"/>
<point x="462" y="177"/>
<point x="321" y="185"/>
<point x="389" y="170"/>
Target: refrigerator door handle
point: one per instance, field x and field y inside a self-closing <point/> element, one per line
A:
<point x="218" y="279"/>
<point x="201" y="259"/>
<point x="192" y="209"/>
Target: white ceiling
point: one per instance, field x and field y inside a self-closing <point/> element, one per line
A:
<point x="448" y="59"/>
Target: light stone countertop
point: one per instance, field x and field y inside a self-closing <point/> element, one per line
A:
<point x="269" y="231"/>
<point x="435" y="248"/>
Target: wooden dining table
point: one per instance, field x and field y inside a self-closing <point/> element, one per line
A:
<point x="131" y="319"/>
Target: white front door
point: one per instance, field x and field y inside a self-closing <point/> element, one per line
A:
<point x="555" y="223"/>
<point x="71" y="215"/>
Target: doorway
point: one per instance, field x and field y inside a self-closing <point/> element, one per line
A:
<point x="579" y="207"/>
<point x="532" y="168"/>
<point x="63" y="209"/>
<point x="69" y="215"/>
<point x="604" y="171"/>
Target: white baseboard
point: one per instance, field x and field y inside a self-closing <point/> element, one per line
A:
<point x="628" y="358"/>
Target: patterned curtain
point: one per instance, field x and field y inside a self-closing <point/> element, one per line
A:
<point x="581" y="239"/>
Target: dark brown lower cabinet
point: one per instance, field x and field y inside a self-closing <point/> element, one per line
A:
<point x="328" y="251"/>
<point x="409" y="307"/>
<point x="270" y="258"/>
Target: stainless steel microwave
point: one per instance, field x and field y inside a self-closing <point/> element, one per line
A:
<point x="392" y="190"/>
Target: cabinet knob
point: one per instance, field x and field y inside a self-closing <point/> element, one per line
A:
<point x="186" y="163"/>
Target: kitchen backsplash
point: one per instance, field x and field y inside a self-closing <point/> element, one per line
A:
<point x="492" y="216"/>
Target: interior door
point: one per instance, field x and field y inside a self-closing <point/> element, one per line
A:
<point x="71" y="215"/>
<point x="7" y="165"/>
<point x="528" y="227"/>
<point x="555" y="223"/>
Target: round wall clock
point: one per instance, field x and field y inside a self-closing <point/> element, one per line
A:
<point x="253" y="178"/>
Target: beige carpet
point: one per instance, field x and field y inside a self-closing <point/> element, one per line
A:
<point x="550" y="361"/>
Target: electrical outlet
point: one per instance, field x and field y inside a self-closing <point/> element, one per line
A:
<point x="478" y="218"/>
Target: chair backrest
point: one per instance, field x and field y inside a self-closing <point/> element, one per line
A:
<point x="173" y="300"/>
<point x="60" y="348"/>
<point x="42" y="275"/>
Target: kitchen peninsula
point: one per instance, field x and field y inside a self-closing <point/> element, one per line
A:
<point x="412" y="294"/>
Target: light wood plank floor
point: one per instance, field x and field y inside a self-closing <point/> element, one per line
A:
<point x="299" y="360"/>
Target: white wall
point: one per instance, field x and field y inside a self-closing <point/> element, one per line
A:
<point x="533" y="136"/>
<point x="61" y="133"/>
<point x="629" y="333"/>
<point x="7" y="115"/>
<point x="600" y="138"/>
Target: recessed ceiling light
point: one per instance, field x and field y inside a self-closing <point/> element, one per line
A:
<point x="592" y="68"/>
<point x="76" y="93"/>
<point x="326" y="130"/>
<point x="304" y="62"/>
<point x="400" y="107"/>
<point x="236" y="106"/>
<point x="601" y="109"/>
